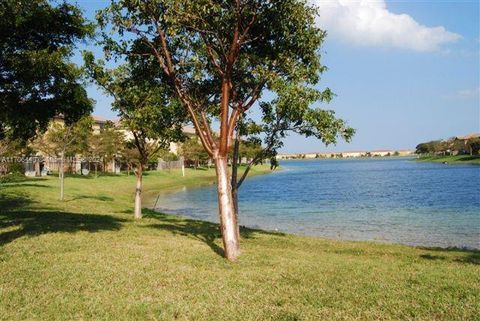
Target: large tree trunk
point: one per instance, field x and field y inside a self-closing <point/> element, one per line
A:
<point x="228" y="221"/>
<point x="62" y="175"/>
<point x="138" y="193"/>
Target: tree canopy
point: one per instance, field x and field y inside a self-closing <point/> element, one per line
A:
<point x="37" y="80"/>
<point x="68" y="139"/>
<point x="219" y="57"/>
<point x="147" y="109"/>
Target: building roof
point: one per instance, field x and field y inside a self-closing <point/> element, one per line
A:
<point x="188" y="130"/>
<point x="469" y="136"/>
<point x="103" y="120"/>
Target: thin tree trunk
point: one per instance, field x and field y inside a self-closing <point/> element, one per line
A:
<point x="62" y="175"/>
<point x="235" y="208"/>
<point x="138" y="193"/>
<point x="234" y="181"/>
<point x="228" y="222"/>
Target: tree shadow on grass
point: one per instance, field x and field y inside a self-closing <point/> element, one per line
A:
<point x="469" y="158"/>
<point x="16" y="221"/>
<point x="467" y="256"/>
<point x="203" y="231"/>
<point x="12" y="179"/>
<point x="27" y="185"/>
<point x="102" y="198"/>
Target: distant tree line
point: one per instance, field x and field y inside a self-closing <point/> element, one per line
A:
<point x="453" y="146"/>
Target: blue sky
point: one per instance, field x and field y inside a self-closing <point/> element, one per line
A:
<point x="403" y="71"/>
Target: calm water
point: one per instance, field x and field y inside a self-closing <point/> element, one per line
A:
<point x="392" y="200"/>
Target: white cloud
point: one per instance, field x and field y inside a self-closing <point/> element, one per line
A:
<point x="367" y="22"/>
<point x="468" y="93"/>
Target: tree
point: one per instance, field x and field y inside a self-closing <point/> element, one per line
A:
<point x="431" y="147"/>
<point x="37" y="81"/>
<point x="61" y="140"/>
<point x="193" y="152"/>
<point x="110" y="142"/>
<point x="219" y="57"/>
<point x="474" y="145"/>
<point x="10" y="148"/>
<point x="151" y="117"/>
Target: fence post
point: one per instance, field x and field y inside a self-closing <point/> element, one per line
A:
<point x="183" y="166"/>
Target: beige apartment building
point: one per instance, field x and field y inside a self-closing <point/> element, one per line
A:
<point x="40" y="164"/>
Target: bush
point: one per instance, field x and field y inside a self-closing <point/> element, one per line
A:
<point x="12" y="177"/>
<point x="16" y="168"/>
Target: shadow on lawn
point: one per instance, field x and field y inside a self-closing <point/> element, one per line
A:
<point x="102" y="198"/>
<point x="468" y="256"/>
<point x="469" y="158"/>
<point x="203" y="231"/>
<point x="29" y="185"/>
<point x="17" y="221"/>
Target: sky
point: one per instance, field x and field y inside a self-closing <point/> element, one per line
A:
<point x="403" y="72"/>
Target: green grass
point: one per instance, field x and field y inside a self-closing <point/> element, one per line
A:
<point x="86" y="259"/>
<point x="457" y="159"/>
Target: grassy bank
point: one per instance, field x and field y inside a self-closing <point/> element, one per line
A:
<point x="86" y="258"/>
<point x="457" y="159"/>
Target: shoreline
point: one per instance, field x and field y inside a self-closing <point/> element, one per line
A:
<point x="152" y="194"/>
<point x="252" y="222"/>
<point x="323" y="238"/>
<point x="451" y="159"/>
<point x="101" y="263"/>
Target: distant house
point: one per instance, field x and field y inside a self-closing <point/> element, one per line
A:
<point x="464" y="141"/>
<point x="467" y="137"/>
<point x="99" y="123"/>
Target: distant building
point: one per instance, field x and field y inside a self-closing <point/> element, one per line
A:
<point x="348" y="154"/>
<point x="468" y="137"/>
<point x="464" y="142"/>
<point x="36" y="166"/>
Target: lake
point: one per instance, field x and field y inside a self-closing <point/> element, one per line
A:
<point x="390" y="200"/>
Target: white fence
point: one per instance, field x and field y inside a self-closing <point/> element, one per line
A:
<point x="163" y="165"/>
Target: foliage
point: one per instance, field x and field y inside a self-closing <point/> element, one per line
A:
<point x="167" y="155"/>
<point x="131" y="156"/>
<point x="292" y="112"/>
<point x="249" y="149"/>
<point x="429" y="147"/>
<point x="193" y="152"/>
<point x="453" y="145"/>
<point x="9" y="149"/>
<point x="37" y="80"/>
<point x="64" y="138"/>
<point x="219" y="56"/>
<point x="17" y="175"/>
<point x="474" y="145"/>
<point x="146" y="108"/>
<point x="14" y="147"/>
<point x="109" y="141"/>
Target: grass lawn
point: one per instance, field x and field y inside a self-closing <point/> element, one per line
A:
<point x="457" y="159"/>
<point x="86" y="259"/>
